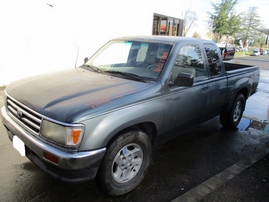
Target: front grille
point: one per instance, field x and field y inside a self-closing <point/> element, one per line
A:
<point x="27" y="118"/>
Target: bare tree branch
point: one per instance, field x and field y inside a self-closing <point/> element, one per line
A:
<point x="189" y="21"/>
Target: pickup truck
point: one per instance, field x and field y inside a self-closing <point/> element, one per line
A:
<point x="105" y="119"/>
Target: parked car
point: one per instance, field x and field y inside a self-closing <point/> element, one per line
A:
<point x="255" y="52"/>
<point x="264" y="52"/>
<point x="107" y="118"/>
<point x="238" y="49"/>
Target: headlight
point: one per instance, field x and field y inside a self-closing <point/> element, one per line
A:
<point x="67" y="135"/>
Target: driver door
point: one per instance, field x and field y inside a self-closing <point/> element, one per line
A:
<point x="188" y="104"/>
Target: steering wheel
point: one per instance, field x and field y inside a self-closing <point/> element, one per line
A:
<point x="149" y="67"/>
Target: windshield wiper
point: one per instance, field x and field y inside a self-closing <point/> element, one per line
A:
<point x="95" y="69"/>
<point x="126" y="74"/>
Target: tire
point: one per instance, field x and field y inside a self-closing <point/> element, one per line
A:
<point x="232" y="118"/>
<point x="125" y="164"/>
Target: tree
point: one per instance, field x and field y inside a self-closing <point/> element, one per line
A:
<point x="189" y="21"/>
<point x="196" y="35"/>
<point x="224" y="22"/>
<point x="259" y="40"/>
<point x="250" y="23"/>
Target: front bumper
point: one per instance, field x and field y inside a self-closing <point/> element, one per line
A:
<point x="71" y="167"/>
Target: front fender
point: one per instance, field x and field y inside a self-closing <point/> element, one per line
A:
<point x="101" y="129"/>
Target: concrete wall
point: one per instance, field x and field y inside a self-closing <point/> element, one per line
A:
<point x="42" y="36"/>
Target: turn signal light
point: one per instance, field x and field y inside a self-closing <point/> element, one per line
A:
<point x="75" y="136"/>
<point x="50" y="157"/>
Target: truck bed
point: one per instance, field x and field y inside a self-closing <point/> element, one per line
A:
<point x="233" y="66"/>
<point x="235" y="72"/>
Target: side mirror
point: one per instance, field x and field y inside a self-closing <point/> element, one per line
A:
<point x="85" y="60"/>
<point x="183" y="79"/>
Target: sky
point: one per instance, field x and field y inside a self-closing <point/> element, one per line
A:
<point x="203" y="7"/>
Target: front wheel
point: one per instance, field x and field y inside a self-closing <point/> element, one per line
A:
<point x="125" y="164"/>
<point x="232" y="118"/>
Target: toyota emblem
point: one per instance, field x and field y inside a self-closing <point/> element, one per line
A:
<point x="19" y="113"/>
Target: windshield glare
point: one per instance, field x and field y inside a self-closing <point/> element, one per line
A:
<point x="143" y="59"/>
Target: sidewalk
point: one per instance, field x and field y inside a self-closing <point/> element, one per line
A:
<point x="251" y="185"/>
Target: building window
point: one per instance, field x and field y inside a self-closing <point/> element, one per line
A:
<point x="164" y="25"/>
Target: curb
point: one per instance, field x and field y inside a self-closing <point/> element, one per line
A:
<point x="213" y="183"/>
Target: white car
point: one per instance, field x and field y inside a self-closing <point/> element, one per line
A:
<point x="255" y="53"/>
<point x="264" y="52"/>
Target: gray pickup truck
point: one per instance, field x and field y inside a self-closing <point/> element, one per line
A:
<point x="106" y="118"/>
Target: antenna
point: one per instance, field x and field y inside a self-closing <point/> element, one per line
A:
<point x="77" y="58"/>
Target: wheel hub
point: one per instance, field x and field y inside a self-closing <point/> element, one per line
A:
<point x="237" y="111"/>
<point x="127" y="163"/>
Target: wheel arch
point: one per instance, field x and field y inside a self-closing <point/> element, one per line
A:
<point x="147" y="127"/>
<point x="228" y="106"/>
<point x="231" y="118"/>
<point x="108" y="178"/>
<point x="245" y="93"/>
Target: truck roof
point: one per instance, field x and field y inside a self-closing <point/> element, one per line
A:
<point x="161" y="39"/>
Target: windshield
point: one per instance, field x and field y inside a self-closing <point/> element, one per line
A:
<point x="142" y="59"/>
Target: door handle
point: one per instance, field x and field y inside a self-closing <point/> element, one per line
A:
<point x="205" y="87"/>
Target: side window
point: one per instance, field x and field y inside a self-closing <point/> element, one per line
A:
<point x="189" y="60"/>
<point x="213" y="58"/>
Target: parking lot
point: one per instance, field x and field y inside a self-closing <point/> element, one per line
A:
<point x="182" y="167"/>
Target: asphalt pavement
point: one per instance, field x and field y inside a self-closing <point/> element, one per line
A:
<point x="245" y="181"/>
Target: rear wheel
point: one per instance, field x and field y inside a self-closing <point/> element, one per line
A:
<point x="125" y="164"/>
<point x="232" y="118"/>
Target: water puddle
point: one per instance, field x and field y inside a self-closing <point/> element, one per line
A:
<point x="266" y="129"/>
<point x="245" y="123"/>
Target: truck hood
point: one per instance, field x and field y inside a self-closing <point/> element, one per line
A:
<point x="70" y="95"/>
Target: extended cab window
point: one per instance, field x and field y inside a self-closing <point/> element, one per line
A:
<point x="213" y="58"/>
<point x="189" y="60"/>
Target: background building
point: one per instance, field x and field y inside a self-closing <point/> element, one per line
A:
<point x="39" y="36"/>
